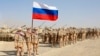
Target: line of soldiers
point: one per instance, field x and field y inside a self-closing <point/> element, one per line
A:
<point x="29" y="37"/>
<point x="63" y="36"/>
<point x="56" y="37"/>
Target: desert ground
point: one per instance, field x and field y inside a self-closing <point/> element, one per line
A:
<point x="88" y="47"/>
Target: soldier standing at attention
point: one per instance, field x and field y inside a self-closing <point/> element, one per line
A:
<point x="19" y="40"/>
<point x="28" y="36"/>
<point x="35" y="41"/>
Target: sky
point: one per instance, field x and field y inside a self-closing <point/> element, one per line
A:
<point x="77" y="13"/>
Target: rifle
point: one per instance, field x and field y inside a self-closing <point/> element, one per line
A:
<point x="52" y="25"/>
<point x="41" y="24"/>
<point x="23" y="26"/>
<point x="64" y="25"/>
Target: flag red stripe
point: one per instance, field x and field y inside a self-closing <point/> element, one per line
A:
<point x="44" y="17"/>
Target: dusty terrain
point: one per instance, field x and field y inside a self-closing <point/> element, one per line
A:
<point x="81" y="48"/>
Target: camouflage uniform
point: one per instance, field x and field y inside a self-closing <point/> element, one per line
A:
<point x="19" y="39"/>
<point x="28" y="36"/>
<point x="35" y="42"/>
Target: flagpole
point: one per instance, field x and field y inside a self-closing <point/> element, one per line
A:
<point x="32" y="24"/>
<point x="32" y="20"/>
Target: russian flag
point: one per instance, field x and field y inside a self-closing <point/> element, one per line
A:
<point x="44" y="12"/>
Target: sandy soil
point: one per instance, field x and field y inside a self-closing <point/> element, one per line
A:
<point x="81" y="48"/>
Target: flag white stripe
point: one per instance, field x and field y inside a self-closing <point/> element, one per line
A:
<point x="43" y="6"/>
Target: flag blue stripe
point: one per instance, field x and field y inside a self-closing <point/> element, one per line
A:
<point x="45" y="11"/>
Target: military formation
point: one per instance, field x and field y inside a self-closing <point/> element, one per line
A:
<point x="56" y="37"/>
<point x="64" y="36"/>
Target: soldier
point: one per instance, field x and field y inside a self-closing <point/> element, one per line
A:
<point x="88" y="34"/>
<point x="28" y="35"/>
<point x="40" y="34"/>
<point x="97" y="33"/>
<point x="19" y="39"/>
<point x="71" y="35"/>
<point x="47" y="35"/>
<point x="75" y="35"/>
<point x="83" y="34"/>
<point x="60" y="37"/>
<point x="53" y="37"/>
<point x="64" y="36"/>
<point x="66" y="40"/>
<point x="35" y="41"/>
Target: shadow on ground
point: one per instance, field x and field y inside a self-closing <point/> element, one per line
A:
<point x="11" y="53"/>
<point x="45" y="45"/>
